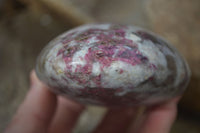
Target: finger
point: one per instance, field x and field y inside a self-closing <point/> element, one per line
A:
<point x="66" y="116"/>
<point x="35" y="113"/>
<point x="116" y="121"/>
<point x="160" y="118"/>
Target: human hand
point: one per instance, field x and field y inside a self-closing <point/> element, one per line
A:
<point x="44" y="112"/>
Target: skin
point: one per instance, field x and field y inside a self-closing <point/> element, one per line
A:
<point x="44" y="112"/>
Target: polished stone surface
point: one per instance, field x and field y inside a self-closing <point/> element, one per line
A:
<point x="112" y="64"/>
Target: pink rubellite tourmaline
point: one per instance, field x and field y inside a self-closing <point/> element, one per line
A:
<point x="114" y="65"/>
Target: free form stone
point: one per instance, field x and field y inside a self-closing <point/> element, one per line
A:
<point x="112" y="64"/>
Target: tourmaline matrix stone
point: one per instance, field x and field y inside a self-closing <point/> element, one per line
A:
<point x="112" y="64"/>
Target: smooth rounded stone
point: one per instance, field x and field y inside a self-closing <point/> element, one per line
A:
<point x="112" y="64"/>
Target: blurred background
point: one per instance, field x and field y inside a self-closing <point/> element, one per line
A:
<point x="26" y="26"/>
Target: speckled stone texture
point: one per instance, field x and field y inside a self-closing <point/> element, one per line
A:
<point x="112" y="64"/>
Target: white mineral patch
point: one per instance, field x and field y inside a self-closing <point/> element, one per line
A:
<point x="92" y="40"/>
<point x="133" y="37"/>
<point x="156" y="57"/>
<point x="96" y="69"/>
<point x="78" y="58"/>
<point x="115" y="52"/>
<point x="53" y="51"/>
<point x="130" y="77"/>
<point x="55" y="67"/>
<point x="72" y="43"/>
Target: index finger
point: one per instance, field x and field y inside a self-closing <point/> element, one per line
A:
<point x="35" y="113"/>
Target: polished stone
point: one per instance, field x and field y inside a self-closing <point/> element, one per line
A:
<point x="112" y="64"/>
